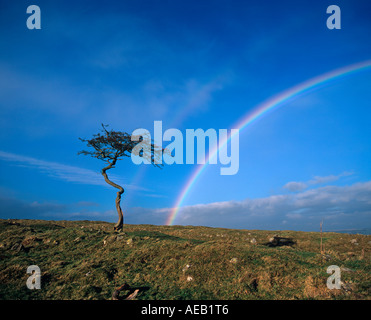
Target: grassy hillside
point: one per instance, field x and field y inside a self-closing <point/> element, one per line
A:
<point x="87" y="260"/>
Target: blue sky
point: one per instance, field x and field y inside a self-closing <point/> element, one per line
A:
<point x="190" y="64"/>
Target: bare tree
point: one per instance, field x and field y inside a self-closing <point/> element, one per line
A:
<point x="111" y="146"/>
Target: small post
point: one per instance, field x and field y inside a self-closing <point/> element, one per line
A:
<point x="321" y="236"/>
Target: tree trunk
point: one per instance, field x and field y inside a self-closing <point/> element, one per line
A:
<point x="120" y="222"/>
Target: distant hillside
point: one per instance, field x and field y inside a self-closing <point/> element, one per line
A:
<point x="87" y="260"/>
<point x="366" y="231"/>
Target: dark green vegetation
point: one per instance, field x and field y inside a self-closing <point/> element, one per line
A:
<point x="87" y="260"/>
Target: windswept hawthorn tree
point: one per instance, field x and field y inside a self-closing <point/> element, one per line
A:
<point x="111" y="146"/>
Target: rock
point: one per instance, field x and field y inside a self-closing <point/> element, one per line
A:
<point x="108" y="239"/>
<point x="280" y="241"/>
<point x="253" y="241"/>
<point x="353" y="241"/>
<point x="274" y="241"/>
<point x="233" y="260"/>
<point x="13" y="223"/>
<point x="187" y="266"/>
<point x="272" y="238"/>
<point x="189" y="278"/>
<point x="119" y="238"/>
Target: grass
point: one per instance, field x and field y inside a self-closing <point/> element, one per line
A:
<point x="88" y="260"/>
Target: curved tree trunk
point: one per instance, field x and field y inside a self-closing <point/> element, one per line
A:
<point x="120" y="222"/>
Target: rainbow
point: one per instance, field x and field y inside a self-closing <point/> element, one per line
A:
<point x="260" y="110"/>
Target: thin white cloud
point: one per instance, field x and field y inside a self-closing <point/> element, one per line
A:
<point x="61" y="171"/>
<point x="295" y="186"/>
<point x="330" y="178"/>
<point x="19" y="209"/>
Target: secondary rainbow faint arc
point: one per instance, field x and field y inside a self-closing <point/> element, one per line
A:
<point x="260" y="110"/>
